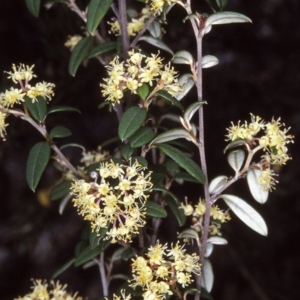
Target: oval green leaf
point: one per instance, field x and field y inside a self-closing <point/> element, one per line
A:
<point x="208" y="275"/>
<point x="96" y="10"/>
<point x="155" y="210"/>
<point x="143" y="91"/>
<point x="226" y="17"/>
<point x="143" y="136"/>
<point x="127" y="151"/>
<point x="170" y="98"/>
<point x="79" y="53"/>
<point x="178" y="213"/>
<point x="221" y="3"/>
<point x="61" y="190"/>
<point x="37" y="161"/>
<point x="173" y="134"/>
<point x="94" y="239"/>
<point x="62" y="108"/>
<point x="33" y="6"/>
<point x="102" y="48"/>
<point x="131" y="121"/>
<point x="256" y="189"/>
<point x="156" y="42"/>
<point x="183" y="160"/>
<point x="38" y="109"/>
<point x="60" y="132"/>
<point x="246" y="214"/>
<point x="155" y="29"/>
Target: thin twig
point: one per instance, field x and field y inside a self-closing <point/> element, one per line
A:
<point x="141" y="32"/>
<point x="101" y="265"/>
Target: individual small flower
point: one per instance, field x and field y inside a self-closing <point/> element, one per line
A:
<point x="117" y="202"/>
<point x="41" y="89"/>
<point x="12" y="97"/>
<point x="267" y="180"/>
<point x="187" y="208"/>
<point x="157" y="5"/>
<point x="72" y="41"/>
<point x="162" y="270"/>
<point x="41" y="290"/>
<point x="3" y="125"/>
<point x="23" y="72"/>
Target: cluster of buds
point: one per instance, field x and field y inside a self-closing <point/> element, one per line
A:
<point x="134" y="26"/>
<point x="136" y="71"/>
<point x="54" y="291"/>
<point x="273" y="141"/>
<point x="217" y="216"/>
<point x="162" y="270"/>
<point x="22" y="75"/>
<point x="117" y="202"/>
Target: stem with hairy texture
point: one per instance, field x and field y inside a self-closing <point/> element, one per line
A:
<point x="101" y="265"/>
<point x="123" y="25"/>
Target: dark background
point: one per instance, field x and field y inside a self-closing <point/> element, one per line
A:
<point x="258" y="73"/>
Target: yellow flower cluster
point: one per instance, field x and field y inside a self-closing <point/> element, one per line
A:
<point x="117" y="202"/>
<point x="92" y="157"/>
<point x="157" y="5"/>
<point x="217" y="216"/>
<point x="134" y="26"/>
<point x="42" y="291"/>
<point x="22" y="75"/>
<point x="273" y="142"/>
<point x="137" y="70"/>
<point x="159" y="273"/>
<point x="266" y="179"/>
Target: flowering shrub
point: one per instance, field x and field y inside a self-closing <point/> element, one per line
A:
<point x="126" y="193"/>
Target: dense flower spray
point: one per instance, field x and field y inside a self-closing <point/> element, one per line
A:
<point x="117" y="202"/>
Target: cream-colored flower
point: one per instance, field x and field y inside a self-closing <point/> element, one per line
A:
<point x="72" y="41"/>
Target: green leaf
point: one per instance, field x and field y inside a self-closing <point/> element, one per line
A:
<point x="102" y="48"/>
<point x="60" y="132"/>
<point x="37" y="161"/>
<point x="64" y="267"/>
<point x="226" y="17"/>
<point x="209" y="61"/>
<point x="189" y="233"/>
<point x="183" y="57"/>
<point x="217" y="184"/>
<point x="143" y="91"/>
<point x="61" y="190"/>
<point x="173" y="100"/>
<point x="173" y="134"/>
<point x="94" y="239"/>
<point x="155" y="29"/>
<point x="183" y="160"/>
<point x="143" y="136"/>
<point x="185" y="176"/>
<point x="236" y="143"/>
<point x="221" y="3"/>
<point x="87" y="254"/>
<point x="208" y="275"/>
<point x="178" y="213"/>
<point x="33" y="6"/>
<point x="127" y="151"/>
<point x="131" y="121"/>
<point x="79" y="53"/>
<point x="156" y="42"/>
<point x="161" y="189"/>
<point x="38" y="109"/>
<point x="187" y="81"/>
<point x="72" y="145"/>
<point x="127" y="253"/>
<point x="257" y="190"/>
<point x="155" y="210"/>
<point x="236" y="159"/>
<point x="96" y="10"/>
<point x="246" y="213"/>
<point x="142" y="161"/>
<point x="62" y="108"/>
<point x="191" y="110"/>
